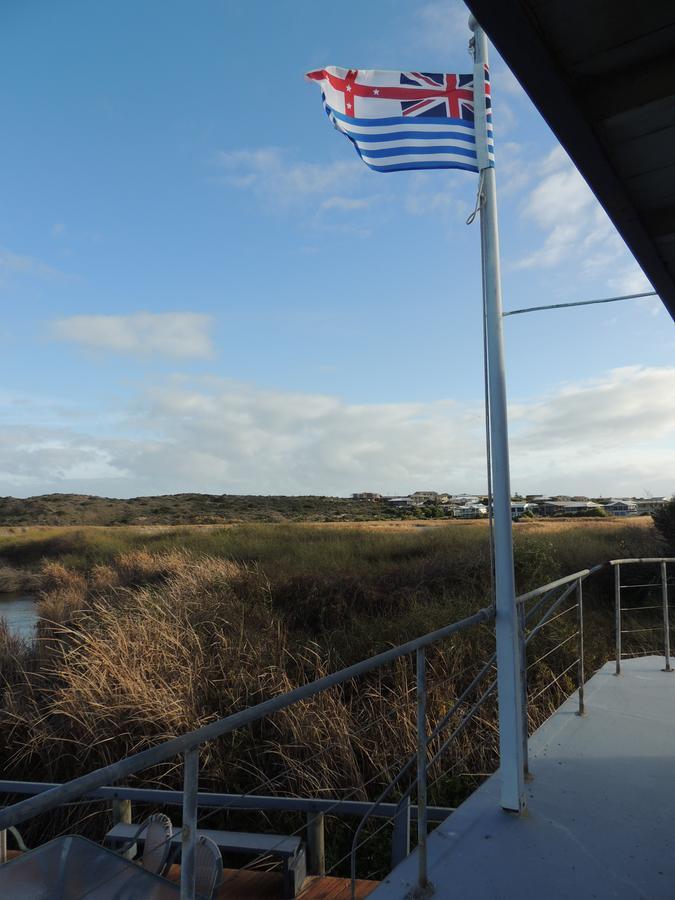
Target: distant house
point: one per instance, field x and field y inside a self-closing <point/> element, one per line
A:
<point x="463" y="499"/>
<point x="425" y="496"/>
<point x="567" y="507"/>
<point x="646" y="505"/>
<point x="622" y="507"/>
<point x="470" y="511"/>
<point x="520" y="507"/>
<point x="404" y="501"/>
<point x="366" y="495"/>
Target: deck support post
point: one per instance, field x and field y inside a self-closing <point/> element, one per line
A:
<point x="617" y="615"/>
<point x="580" y="625"/>
<point x="666" y="616"/>
<point x="121" y="812"/>
<point x="189" y="832"/>
<point x="400" y="840"/>
<point x="3" y="846"/>
<point x="523" y="689"/>
<point x="422" y="873"/>
<point x="316" y="852"/>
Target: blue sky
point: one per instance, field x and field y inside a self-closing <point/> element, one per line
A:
<point x="205" y="289"/>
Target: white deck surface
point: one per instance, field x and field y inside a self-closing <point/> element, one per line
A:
<point x="601" y="807"/>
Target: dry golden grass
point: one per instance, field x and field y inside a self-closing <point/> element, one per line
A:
<point x="147" y="634"/>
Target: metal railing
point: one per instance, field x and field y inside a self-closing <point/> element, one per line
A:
<point x="549" y="598"/>
<point x="662" y="562"/>
<point x="188" y="746"/>
<point x="537" y="610"/>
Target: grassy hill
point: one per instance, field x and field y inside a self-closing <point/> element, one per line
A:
<point x="187" y="509"/>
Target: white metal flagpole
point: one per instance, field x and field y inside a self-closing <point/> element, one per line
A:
<point x="509" y="677"/>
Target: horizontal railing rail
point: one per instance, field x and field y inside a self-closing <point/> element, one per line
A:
<point x="552" y="585"/>
<point x="213" y="800"/>
<point x="646" y="559"/>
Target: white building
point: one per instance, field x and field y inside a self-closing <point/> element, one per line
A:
<point x="622" y="507"/>
<point x="470" y="511"/>
<point x="567" y="507"/>
<point x="519" y="507"/>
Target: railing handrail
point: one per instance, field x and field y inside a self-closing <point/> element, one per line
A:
<point x="646" y="559"/>
<point x="552" y="585"/>
<point x="215" y="800"/>
<point x="144" y="759"/>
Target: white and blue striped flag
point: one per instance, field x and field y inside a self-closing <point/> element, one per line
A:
<point x="409" y="120"/>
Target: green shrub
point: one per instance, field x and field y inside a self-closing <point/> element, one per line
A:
<point x="664" y="520"/>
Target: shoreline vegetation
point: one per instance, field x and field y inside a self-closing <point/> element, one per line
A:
<point x="145" y="633"/>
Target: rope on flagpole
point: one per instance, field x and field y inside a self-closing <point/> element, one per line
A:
<point x="488" y="442"/>
<point x="480" y="199"/>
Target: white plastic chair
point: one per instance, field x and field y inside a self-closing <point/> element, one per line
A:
<point x="156" y="842"/>
<point x="208" y="867"/>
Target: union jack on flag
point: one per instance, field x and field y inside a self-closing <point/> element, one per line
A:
<point x="406" y="120"/>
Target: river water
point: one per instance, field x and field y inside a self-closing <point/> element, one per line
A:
<point x="20" y="611"/>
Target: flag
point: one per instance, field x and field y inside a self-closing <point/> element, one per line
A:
<point x="406" y="120"/>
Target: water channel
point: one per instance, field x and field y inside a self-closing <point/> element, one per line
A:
<point x="20" y="612"/>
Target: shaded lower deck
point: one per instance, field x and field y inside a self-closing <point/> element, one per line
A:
<point x="601" y="806"/>
<point x="249" y="884"/>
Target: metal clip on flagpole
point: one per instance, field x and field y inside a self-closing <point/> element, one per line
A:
<point x="509" y="679"/>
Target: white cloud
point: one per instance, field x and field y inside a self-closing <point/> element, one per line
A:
<point x="346" y="204"/>
<point x="614" y="434"/>
<point x="426" y="193"/>
<point x="272" y="174"/>
<point x="576" y="228"/>
<point x="176" y="335"/>
<point x="443" y="26"/>
<point x="14" y="264"/>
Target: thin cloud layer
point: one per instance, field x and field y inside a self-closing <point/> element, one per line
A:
<point x="615" y="434"/>
<point x="174" y="335"/>
<point x="575" y="227"/>
<point x="274" y="175"/>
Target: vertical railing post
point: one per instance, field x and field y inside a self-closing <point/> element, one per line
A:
<point x="3" y="846"/>
<point x="523" y="689"/>
<point x="121" y="812"/>
<point x="580" y="626"/>
<point x="400" y="839"/>
<point x="421" y="769"/>
<point x="316" y="853"/>
<point x="666" y="616"/>
<point x="189" y="832"/>
<point x="617" y="615"/>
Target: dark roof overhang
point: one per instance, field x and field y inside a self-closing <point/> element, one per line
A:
<point x="602" y="74"/>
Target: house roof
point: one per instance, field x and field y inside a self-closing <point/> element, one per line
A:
<point x="603" y="76"/>
<point x="568" y="504"/>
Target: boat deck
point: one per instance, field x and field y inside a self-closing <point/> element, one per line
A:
<point x="600" y="808"/>
<point x="250" y="884"/>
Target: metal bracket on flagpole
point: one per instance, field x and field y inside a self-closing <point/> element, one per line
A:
<point x="528" y="309"/>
